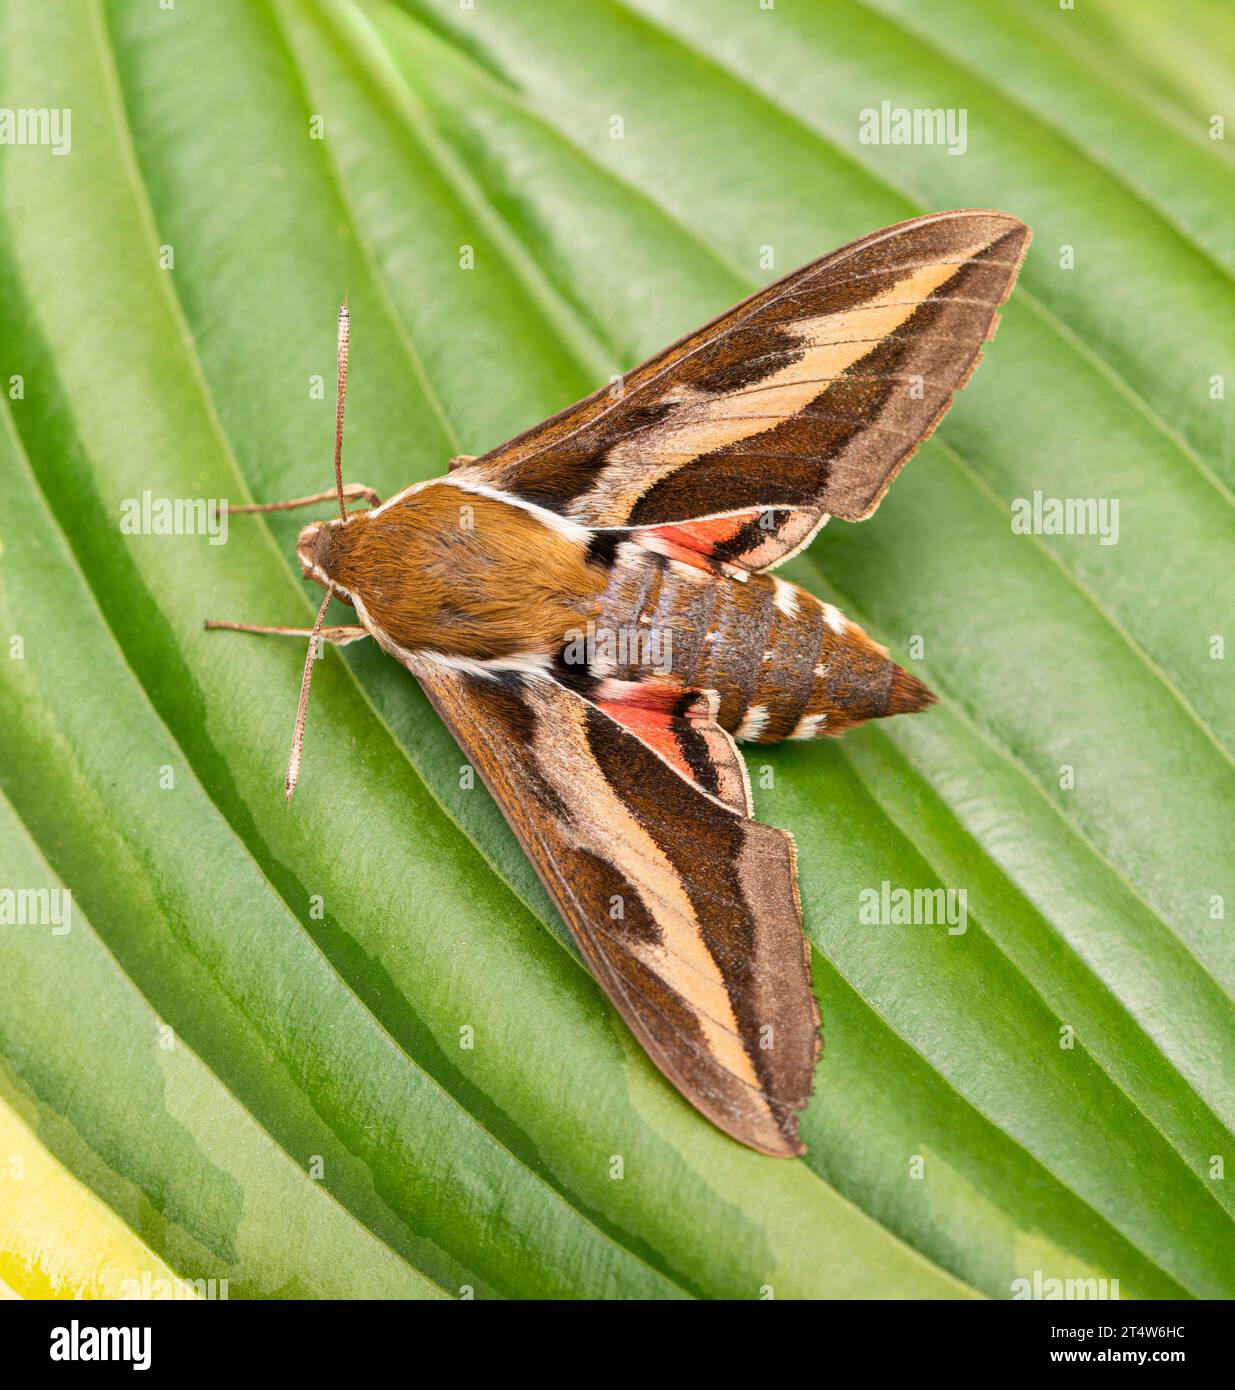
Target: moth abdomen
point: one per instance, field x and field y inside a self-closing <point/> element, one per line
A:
<point x="821" y="674"/>
<point x="784" y="664"/>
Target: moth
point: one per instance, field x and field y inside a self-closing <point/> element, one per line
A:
<point x="592" y="609"/>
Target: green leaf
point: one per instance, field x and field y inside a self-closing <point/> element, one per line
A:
<point x="347" y="1049"/>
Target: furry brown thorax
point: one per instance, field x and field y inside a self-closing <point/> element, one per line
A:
<point x="458" y="573"/>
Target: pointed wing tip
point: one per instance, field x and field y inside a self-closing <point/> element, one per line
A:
<point x="790" y="1145"/>
<point x="1014" y="229"/>
<point x="1018" y="230"/>
<point x="778" y="1137"/>
<point x="778" y="1145"/>
<point x="784" y="1153"/>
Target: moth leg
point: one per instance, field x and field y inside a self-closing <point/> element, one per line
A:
<point x="350" y="491"/>
<point x="339" y="636"/>
<point x="460" y="459"/>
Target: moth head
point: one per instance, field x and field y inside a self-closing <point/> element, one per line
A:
<point x="316" y="551"/>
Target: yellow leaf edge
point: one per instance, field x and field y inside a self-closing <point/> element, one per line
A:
<point x="58" y="1240"/>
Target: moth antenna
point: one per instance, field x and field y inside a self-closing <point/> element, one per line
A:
<point x="293" y="761"/>
<point x="345" y="330"/>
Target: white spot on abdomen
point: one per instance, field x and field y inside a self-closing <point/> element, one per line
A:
<point x="754" y="724"/>
<point x="784" y="597"/>
<point x="809" y="726"/>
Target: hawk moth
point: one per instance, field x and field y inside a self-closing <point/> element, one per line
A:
<point x="657" y="508"/>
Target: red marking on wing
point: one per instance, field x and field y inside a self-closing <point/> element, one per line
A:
<point x="695" y="541"/>
<point x="648" y="715"/>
